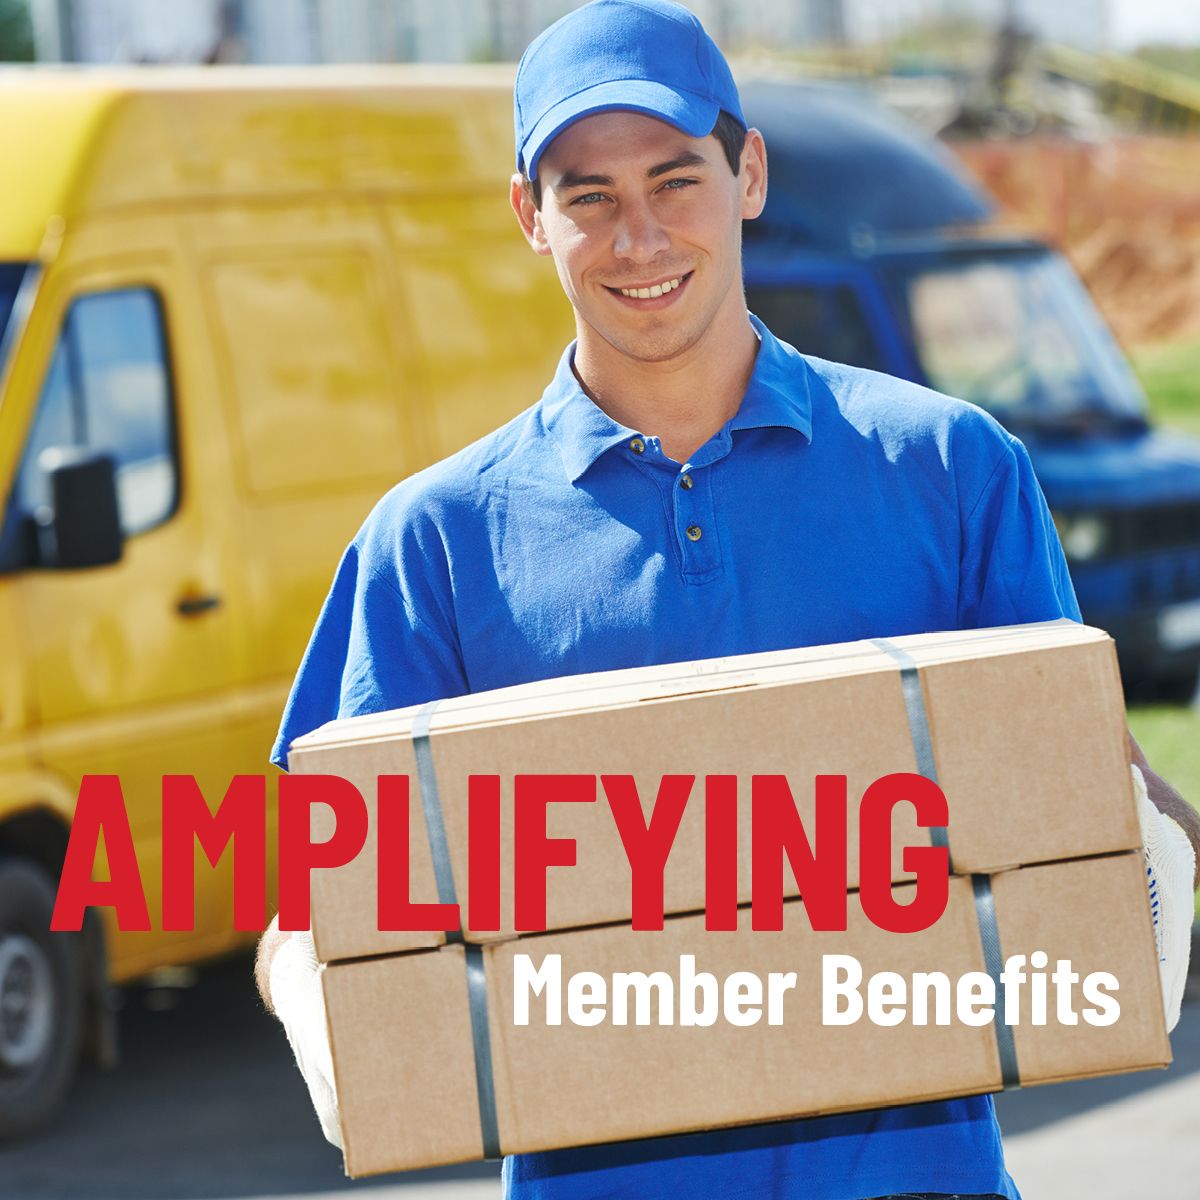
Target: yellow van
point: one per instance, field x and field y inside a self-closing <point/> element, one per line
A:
<point x="236" y="306"/>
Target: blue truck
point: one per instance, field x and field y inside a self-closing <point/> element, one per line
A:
<point x="876" y="249"/>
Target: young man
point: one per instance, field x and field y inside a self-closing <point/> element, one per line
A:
<point x="688" y="486"/>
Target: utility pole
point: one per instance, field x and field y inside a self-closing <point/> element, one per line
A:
<point x="53" y="30"/>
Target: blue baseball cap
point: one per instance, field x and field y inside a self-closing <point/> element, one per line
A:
<point x="647" y="56"/>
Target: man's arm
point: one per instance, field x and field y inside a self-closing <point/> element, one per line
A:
<point x="1013" y="571"/>
<point x="268" y="947"/>
<point x="1168" y="801"/>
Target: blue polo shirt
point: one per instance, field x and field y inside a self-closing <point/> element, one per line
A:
<point x="836" y="504"/>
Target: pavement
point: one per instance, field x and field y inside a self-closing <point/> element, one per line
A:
<point x="1120" y="1138"/>
<point x="208" y="1105"/>
<point x="1143" y="1145"/>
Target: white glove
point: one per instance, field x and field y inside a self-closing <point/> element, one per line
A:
<point x="299" y="1002"/>
<point x="1170" y="867"/>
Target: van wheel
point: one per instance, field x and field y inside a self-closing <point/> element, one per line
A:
<point x="1179" y="688"/>
<point x="41" y="1001"/>
<point x="1167" y="687"/>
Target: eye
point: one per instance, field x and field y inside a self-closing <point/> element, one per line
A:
<point x="677" y="185"/>
<point x="589" y="198"/>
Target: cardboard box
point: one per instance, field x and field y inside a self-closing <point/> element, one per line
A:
<point x="1028" y="735"/>
<point x="405" y="1064"/>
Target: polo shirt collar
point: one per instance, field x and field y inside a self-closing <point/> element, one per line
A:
<point x="780" y="389"/>
<point x="778" y="394"/>
<point x="582" y="429"/>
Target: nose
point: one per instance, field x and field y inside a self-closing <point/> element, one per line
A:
<point x="639" y="235"/>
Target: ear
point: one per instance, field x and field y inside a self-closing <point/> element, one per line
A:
<point x="753" y="175"/>
<point x="520" y="196"/>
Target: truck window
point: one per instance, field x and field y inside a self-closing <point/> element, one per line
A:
<point x="1017" y="334"/>
<point x="10" y="283"/>
<point x="108" y="389"/>
<point x="826" y="321"/>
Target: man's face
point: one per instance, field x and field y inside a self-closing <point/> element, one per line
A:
<point x="644" y="224"/>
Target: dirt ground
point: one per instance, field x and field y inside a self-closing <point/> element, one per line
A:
<point x="1126" y="211"/>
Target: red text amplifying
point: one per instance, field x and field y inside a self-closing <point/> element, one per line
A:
<point x="778" y="837"/>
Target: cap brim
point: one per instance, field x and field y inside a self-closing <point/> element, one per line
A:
<point x="691" y="114"/>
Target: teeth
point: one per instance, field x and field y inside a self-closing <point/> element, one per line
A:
<point x="659" y="289"/>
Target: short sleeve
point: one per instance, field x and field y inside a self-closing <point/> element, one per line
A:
<point x="382" y="641"/>
<point x="1013" y="570"/>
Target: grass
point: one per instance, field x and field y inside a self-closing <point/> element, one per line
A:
<point x="1170" y="373"/>
<point x="1170" y="736"/>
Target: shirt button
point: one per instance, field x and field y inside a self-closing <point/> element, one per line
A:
<point x="694" y="532"/>
<point x="685" y="481"/>
<point x="637" y="445"/>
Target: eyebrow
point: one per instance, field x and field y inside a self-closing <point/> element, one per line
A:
<point x="689" y="158"/>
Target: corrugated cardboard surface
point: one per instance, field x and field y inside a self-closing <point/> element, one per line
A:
<point x="1028" y="735"/>
<point x="406" y="1072"/>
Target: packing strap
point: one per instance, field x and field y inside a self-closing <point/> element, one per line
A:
<point x="439" y="848"/>
<point x="981" y="885"/>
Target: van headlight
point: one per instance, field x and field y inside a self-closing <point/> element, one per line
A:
<point x="1084" y="536"/>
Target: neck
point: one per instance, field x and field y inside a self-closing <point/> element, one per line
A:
<point x="682" y="400"/>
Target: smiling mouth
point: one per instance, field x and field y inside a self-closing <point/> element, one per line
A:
<point x="652" y="291"/>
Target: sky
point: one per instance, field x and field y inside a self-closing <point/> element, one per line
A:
<point x="1136" y="21"/>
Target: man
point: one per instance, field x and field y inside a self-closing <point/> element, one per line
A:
<point x="688" y="486"/>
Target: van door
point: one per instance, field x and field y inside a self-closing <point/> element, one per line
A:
<point x="316" y="386"/>
<point x="833" y="311"/>
<point x="130" y="662"/>
<point x="486" y="317"/>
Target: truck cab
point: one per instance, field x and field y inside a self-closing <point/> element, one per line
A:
<point x="877" y="250"/>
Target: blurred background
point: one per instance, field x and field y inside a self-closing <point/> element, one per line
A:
<point x="1081" y="118"/>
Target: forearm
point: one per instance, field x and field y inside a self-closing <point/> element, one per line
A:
<point x="1167" y="800"/>
<point x="268" y="947"/>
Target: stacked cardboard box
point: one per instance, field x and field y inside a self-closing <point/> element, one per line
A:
<point x="1026" y="727"/>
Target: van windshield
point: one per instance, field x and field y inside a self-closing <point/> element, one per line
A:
<point x="11" y="275"/>
<point x="1017" y="334"/>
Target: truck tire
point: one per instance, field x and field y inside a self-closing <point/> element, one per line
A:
<point x="42" y="984"/>
<point x="1178" y="688"/>
<point x="1164" y="687"/>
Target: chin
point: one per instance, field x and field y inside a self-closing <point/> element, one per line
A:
<point x="653" y="345"/>
<point x="660" y="349"/>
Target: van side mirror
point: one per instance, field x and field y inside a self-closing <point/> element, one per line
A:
<point x="81" y="527"/>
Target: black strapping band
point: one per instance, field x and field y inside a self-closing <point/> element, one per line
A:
<point x="439" y="848"/>
<point x="485" y="1077"/>
<point x="981" y="885"/>
<point x="431" y="802"/>
<point x="918" y="727"/>
<point x="993" y="960"/>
